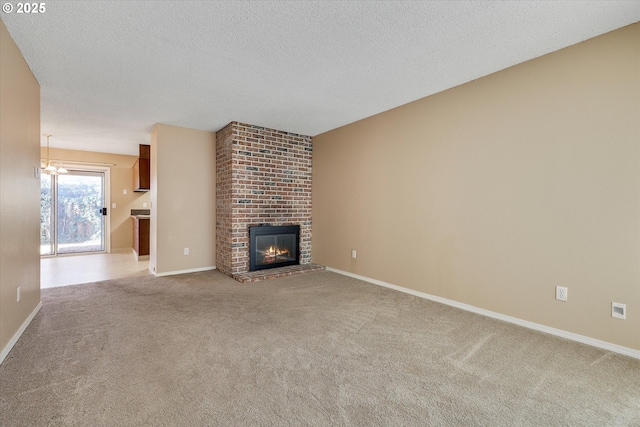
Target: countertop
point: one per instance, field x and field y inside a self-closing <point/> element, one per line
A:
<point x="141" y="216"/>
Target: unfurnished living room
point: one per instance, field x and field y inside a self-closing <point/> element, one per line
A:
<point x="346" y="213"/>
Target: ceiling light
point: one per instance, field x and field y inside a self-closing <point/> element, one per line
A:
<point x="52" y="169"/>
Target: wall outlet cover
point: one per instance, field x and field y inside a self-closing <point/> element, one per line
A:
<point x="561" y="293"/>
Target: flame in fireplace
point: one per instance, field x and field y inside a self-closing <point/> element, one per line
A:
<point x="273" y="250"/>
<point x="274" y="254"/>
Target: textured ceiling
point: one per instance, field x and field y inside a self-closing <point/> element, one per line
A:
<point x="110" y="70"/>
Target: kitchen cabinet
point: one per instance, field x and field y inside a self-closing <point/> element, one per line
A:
<point x="141" y="236"/>
<point x="142" y="170"/>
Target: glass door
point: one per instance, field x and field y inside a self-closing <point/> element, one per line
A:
<point x="72" y="215"/>
<point x="47" y="217"/>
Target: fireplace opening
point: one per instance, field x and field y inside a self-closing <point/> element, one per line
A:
<point x="273" y="246"/>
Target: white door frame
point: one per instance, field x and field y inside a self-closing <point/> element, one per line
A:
<point x="107" y="196"/>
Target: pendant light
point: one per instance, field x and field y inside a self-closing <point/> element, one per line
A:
<point x="49" y="168"/>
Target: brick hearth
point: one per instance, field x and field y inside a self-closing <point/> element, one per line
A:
<point x="255" y="276"/>
<point x="263" y="177"/>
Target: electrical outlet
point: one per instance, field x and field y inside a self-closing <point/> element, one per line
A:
<point x="561" y="293"/>
<point x="619" y="311"/>
<point x="18" y="294"/>
<point x="186" y="251"/>
<point x="353" y="254"/>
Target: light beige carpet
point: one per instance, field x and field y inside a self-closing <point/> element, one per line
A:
<point x="317" y="349"/>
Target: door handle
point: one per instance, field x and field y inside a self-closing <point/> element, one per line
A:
<point x="104" y="211"/>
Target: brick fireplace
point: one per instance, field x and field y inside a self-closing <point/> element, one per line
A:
<point x="263" y="177"/>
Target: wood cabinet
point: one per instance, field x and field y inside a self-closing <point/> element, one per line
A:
<point x="142" y="175"/>
<point x="142" y="170"/>
<point x="141" y="236"/>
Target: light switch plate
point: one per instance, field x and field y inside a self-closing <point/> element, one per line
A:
<point x="619" y="311"/>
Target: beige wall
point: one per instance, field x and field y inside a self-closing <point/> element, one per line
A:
<point x="153" y="193"/>
<point x="121" y="178"/>
<point x="494" y="192"/>
<point x="19" y="190"/>
<point x="183" y="199"/>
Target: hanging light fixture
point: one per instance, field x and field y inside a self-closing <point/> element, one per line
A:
<point x="49" y="168"/>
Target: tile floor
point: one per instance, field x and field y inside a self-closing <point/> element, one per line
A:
<point x="76" y="269"/>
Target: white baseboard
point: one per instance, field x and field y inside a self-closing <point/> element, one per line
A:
<point x="192" y="270"/>
<point x="19" y="332"/>
<point x="525" y="323"/>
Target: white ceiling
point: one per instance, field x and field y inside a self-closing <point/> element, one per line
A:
<point x="110" y="70"/>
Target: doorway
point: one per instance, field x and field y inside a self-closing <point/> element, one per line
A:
<point x="73" y="213"/>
